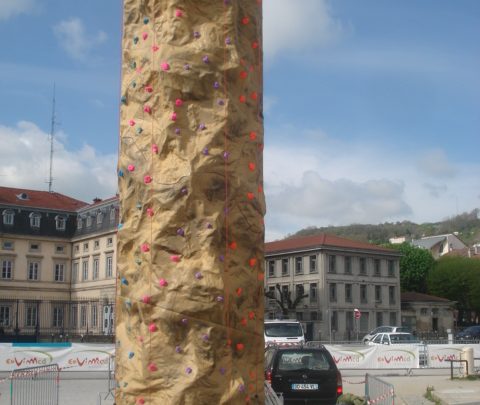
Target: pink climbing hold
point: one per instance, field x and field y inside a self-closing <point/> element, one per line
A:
<point x="147" y="179"/>
<point x="162" y="282"/>
<point x="140" y="401"/>
<point x="152" y="367"/>
<point x="148" y="88"/>
<point x="164" y="66"/>
<point x="174" y="116"/>
<point x="145" y="36"/>
<point x="145" y="248"/>
<point x="131" y="123"/>
<point x="155" y="48"/>
<point x="178" y="102"/>
<point x="175" y="258"/>
<point x="131" y="168"/>
<point x="147" y="109"/>
<point x="146" y="299"/>
<point x="152" y="327"/>
<point x="155" y="148"/>
<point x="150" y="212"/>
<point x="178" y="13"/>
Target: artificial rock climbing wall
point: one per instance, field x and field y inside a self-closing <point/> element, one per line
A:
<point x="189" y="320"/>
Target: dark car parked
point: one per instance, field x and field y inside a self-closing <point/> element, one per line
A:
<point x="304" y="375"/>
<point x="470" y="333"/>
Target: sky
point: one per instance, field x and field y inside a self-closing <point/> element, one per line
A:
<point x="372" y="107"/>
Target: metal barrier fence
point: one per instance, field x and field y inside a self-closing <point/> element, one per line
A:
<point x="378" y="392"/>
<point x="35" y="385"/>
<point x="271" y="397"/>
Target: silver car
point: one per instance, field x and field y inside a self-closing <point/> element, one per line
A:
<point x="384" y="329"/>
<point x="400" y="338"/>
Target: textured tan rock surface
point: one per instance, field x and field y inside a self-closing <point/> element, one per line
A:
<point x="189" y="322"/>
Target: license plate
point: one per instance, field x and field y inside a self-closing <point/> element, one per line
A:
<point x="304" y="386"/>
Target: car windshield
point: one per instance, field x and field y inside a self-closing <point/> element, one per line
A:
<point x="293" y="360"/>
<point x="283" y="330"/>
<point x="402" y="338"/>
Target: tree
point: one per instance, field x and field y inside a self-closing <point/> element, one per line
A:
<point x="284" y="299"/>
<point x="415" y="265"/>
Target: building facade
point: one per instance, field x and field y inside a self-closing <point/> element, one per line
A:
<point x="57" y="263"/>
<point x="338" y="277"/>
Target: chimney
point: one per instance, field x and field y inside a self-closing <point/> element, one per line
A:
<point x="96" y="200"/>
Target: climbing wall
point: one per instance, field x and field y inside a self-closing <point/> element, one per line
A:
<point x="189" y="320"/>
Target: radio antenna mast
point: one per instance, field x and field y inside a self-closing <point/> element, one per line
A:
<point x="52" y="134"/>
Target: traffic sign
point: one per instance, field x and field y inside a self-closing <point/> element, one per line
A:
<point x="357" y="313"/>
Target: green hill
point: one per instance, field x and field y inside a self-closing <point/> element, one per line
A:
<point x="466" y="225"/>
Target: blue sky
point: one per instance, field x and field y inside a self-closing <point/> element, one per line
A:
<point x="371" y="108"/>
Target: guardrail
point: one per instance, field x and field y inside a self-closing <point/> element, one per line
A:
<point x="271" y="397"/>
<point x="35" y="385"/>
<point x="378" y="392"/>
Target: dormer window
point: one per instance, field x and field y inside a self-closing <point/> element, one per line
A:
<point x="99" y="217"/>
<point x="89" y="221"/>
<point x="8" y="216"/>
<point x="60" y="222"/>
<point x="22" y="196"/>
<point x="79" y="223"/>
<point x="112" y="214"/>
<point x="35" y="220"/>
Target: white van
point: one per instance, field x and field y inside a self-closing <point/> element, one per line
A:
<point x="283" y="332"/>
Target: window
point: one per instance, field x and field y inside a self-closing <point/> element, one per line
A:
<point x="348" y="265"/>
<point x="85" y="270"/>
<point x="332" y="290"/>
<point x="60" y="249"/>
<point x="332" y="264"/>
<point x="60" y="222"/>
<point x="348" y="293"/>
<point x="85" y="247"/>
<point x="83" y="316"/>
<point x="112" y="215"/>
<point x="8" y="217"/>
<point x="57" y="319"/>
<point x="298" y="265"/>
<point x="109" y="267"/>
<point x="424" y="311"/>
<point x="271" y="290"/>
<point x="7" y="245"/>
<point x="391" y="295"/>
<point x="313" y="264"/>
<point x="285" y="290"/>
<point x="313" y="315"/>
<point x="96" y="267"/>
<point x="5" y="315"/>
<point x="299" y="291"/>
<point x="377" y="268"/>
<point x="334" y="321"/>
<point x="363" y="293"/>
<point x="77" y="248"/>
<point x="34" y="247"/>
<point x="73" y="316"/>
<point x="35" y="220"/>
<point x="109" y="242"/>
<point x="96" y="245"/>
<point x="75" y="267"/>
<point x="391" y="268"/>
<point x="299" y="316"/>
<point x="313" y="292"/>
<point x="94" y="316"/>
<point x="379" y="318"/>
<point x="285" y="271"/>
<point x="99" y="218"/>
<point x="378" y="293"/>
<point x="89" y="221"/>
<point x="59" y="272"/>
<point x="33" y="269"/>
<point x="31" y="315"/>
<point x="79" y="223"/>
<point x="7" y="267"/>
<point x="393" y="318"/>
<point x="271" y="268"/>
<point x="363" y="266"/>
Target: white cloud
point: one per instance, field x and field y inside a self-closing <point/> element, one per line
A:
<point x="435" y="163"/>
<point x="82" y="174"/>
<point x="329" y="182"/>
<point x="10" y="8"/>
<point x="74" y="39"/>
<point x="294" y="25"/>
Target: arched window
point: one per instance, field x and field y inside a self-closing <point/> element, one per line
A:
<point x="35" y="219"/>
<point x="8" y="217"/>
<point x="60" y="222"/>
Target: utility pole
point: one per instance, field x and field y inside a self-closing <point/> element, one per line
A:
<point x="52" y="134"/>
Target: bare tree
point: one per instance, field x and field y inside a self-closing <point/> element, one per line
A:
<point x="284" y="299"/>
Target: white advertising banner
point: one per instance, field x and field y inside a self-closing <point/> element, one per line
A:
<point x="439" y="355"/>
<point x="374" y="357"/>
<point x="74" y="357"/>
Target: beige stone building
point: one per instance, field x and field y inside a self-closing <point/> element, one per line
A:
<point x="57" y="264"/>
<point x="338" y="275"/>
